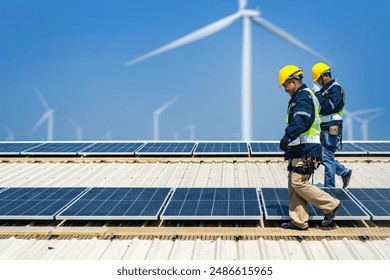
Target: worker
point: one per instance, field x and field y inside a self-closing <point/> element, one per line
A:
<point x="302" y="147"/>
<point x="332" y="101"/>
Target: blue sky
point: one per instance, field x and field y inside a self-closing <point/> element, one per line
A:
<point x="75" y="52"/>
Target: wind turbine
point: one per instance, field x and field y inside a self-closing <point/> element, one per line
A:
<point x="248" y="16"/>
<point x="48" y="115"/>
<point x="350" y="116"/>
<point x="10" y="134"/>
<point x="78" y="131"/>
<point x="191" y="127"/>
<point x="156" y="115"/>
<point x="364" y="123"/>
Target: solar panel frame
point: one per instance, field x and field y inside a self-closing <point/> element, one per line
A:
<point x="265" y="148"/>
<point x="212" y="204"/>
<point x="350" y="148"/>
<point x="127" y="148"/>
<point x="375" y="201"/>
<point x="374" y="147"/>
<point x="95" y="205"/>
<point x="16" y="148"/>
<point x="221" y="148"/>
<point x="58" y="148"/>
<point x="38" y="203"/>
<point x="166" y="148"/>
<point x="280" y="202"/>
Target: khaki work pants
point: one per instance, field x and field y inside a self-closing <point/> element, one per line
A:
<point x="301" y="191"/>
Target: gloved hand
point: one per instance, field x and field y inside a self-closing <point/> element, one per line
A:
<point x="283" y="145"/>
<point x="316" y="87"/>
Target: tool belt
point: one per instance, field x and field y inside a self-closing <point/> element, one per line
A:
<point x="307" y="168"/>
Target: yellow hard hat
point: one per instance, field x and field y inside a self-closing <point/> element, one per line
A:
<point x="319" y="69"/>
<point x="288" y="72"/>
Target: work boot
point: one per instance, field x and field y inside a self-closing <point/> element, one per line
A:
<point x="289" y="225"/>
<point x="328" y="219"/>
<point x="346" y="178"/>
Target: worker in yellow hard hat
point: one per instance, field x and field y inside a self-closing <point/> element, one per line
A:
<point x="332" y="101"/>
<point x="302" y="147"/>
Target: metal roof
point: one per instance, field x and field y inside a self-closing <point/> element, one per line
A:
<point x="366" y="240"/>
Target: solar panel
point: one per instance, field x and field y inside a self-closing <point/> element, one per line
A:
<point x="375" y="148"/>
<point x="221" y="148"/>
<point x="35" y="203"/>
<point x="117" y="204"/>
<point x="113" y="148"/>
<point x="15" y="148"/>
<point x="213" y="204"/>
<point x="166" y="148"/>
<point x="265" y="148"/>
<point x="58" y="148"/>
<point x="376" y="201"/>
<point x="349" y="148"/>
<point x="276" y="205"/>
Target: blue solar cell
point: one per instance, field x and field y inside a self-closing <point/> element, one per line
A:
<point x="117" y="204"/>
<point x="15" y="148"/>
<point x="265" y="148"/>
<point x="58" y="148"/>
<point x="376" y="201"/>
<point x="213" y="203"/>
<point x="351" y="148"/>
<point x="35" y="203"/>
<point x="276" y="204"/>
<point x="112" y="148"/>
<point x="375" y="147"/>
<point x="219" y="148"/>
<point x="161" y="148"/>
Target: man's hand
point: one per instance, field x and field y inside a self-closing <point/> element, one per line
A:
<point x="283" y="145"/>
<point x="316" y="87"/>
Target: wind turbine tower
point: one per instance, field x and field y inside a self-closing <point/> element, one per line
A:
<point x="156" y="115"/>
<point x="248" y="16"/>
<point x="48" y="115"/>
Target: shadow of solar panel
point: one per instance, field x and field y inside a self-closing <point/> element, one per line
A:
<point x="349" y="148"/>
<point x="265" y="148"/>
<point x="36" y="203"/>
<point x="375" y="201"/>
<point x="166" y="148"/>
<point x="15" y="148"/>
<point x="117" y="204"/>
<point x="112" y="148"/>
<point x="375" y="148"/>
<point x="58" y="148"/>
<point x="276" y="205"/>
<point x="213" y="204"/>
<point x="221" y="148"/>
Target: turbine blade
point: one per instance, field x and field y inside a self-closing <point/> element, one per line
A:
<point x="194" y="36"/>
<point x="165" y="106"/>
<point x="366" y="111"/>
<point x="40" y="97"/>
<point x="286" y="36"/>
<point x="41" y="120"/>
<point x="242" y="4"/>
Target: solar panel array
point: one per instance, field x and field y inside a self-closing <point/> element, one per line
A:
<point x="126" y="203"/>
<point x="375" y="201"/>
<point x="213" y="204"/>
<point x="177" y="148"/>
<point x="221" y="148"/>
<point x="276" y="205"/>
<point x="35" y="203"/>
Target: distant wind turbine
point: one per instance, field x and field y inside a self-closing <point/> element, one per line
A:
<point x="48" y="115"/>
<point x="191" y="127"/>
<point x="156" y="115"/>
<point x="10" y="134"/>
<point x="350" y="116"/>
<point x="246" y="74"/>
<point x="364" y="123"/>
<point x="78" y="131"/>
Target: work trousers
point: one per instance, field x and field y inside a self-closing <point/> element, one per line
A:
<point x="332" y="166"/>
<point x="300" y="192"/>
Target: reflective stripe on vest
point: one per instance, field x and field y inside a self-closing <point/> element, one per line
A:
<point x="335" y="116"/>
<point x="312" y="135"/>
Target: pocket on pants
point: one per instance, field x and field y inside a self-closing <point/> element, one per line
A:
<point x="330" y="141"/>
